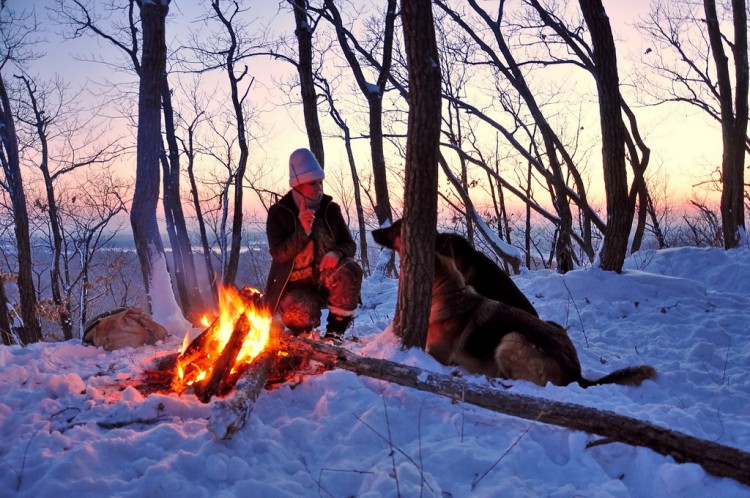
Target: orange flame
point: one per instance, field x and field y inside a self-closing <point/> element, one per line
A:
<point x="197" y="365"/>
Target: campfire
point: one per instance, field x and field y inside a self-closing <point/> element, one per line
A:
<point x="211" y="363"/>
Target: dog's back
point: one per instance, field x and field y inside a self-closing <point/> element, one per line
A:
<point x="481" y="273"/>
<point x="477" y="270"/>
<point x="493" y="338"/>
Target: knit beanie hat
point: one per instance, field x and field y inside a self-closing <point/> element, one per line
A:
<point x="304" y="168"/>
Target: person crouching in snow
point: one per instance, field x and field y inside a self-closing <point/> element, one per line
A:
<point x="312" y="254"/>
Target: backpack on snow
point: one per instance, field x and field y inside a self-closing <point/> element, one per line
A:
<point x="121" y="328"/>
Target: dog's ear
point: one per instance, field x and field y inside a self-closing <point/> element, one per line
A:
<point x="389" y="237"/>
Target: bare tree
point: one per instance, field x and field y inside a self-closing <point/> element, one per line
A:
<point x="190" y="151"/>
<point x="689" y="63"/>
<point x="422" y="149"/>
<point x="304" y="30"/>
<point x="734" y="116"/>
<point x="87" y="210"/>
<point x="619" y="212"/>
<point x="122" y="33"/>
<point x="143" y="213"/>
<point x="342" y="124"/>
<point x="502" y="61"/>
<point x="372" y="91"/>
<point x="17" y="28"/>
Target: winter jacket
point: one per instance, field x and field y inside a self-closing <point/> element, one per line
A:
<point x="286" y="238"/>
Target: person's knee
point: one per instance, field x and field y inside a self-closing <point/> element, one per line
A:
<point x="300" y="311"/>
<point x="352" y="270"/>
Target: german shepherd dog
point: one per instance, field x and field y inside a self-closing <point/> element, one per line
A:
<point x="493" y="338"/>
<point x="478" y="271"/>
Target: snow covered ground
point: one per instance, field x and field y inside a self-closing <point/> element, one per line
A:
<point x="68" y="429"/>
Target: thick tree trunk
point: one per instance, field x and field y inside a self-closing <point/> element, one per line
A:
<point x="734" y="118"/>
<point x="619" y="211"/>
<point x="303" y="31"/>
<point x="31" y="331"/>
<point x="148" y="242"/>
<point x="422" y="149"/>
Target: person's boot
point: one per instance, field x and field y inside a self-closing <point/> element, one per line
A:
<point x="336" y="327"/>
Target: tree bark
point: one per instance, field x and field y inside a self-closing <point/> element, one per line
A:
<point x="619" y="212"/>
<point x="31" y="331"/>
<point x="734" y="118"/>
<point x="5" y="330"/>
<point x="182" y="250"/>
<point x="233" y="261"/>
<point x="717" y="459"/>
<point x="54" y="218"/>
<point x="422" y="149"/>
<point x="303" y="31"/>
<point x="146" y="235"/>
<point x="374" y="94"/>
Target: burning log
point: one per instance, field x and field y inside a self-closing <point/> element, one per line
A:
<point x="213" y="361"/>
<point x="218" y="383"/>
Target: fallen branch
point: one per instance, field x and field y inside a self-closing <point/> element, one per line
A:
<point x="218" y="383"/>
<point x="716" y="459"/>
<point x="230" y="414"/>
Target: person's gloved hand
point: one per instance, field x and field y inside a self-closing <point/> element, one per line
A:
<point x="330" y="260"/>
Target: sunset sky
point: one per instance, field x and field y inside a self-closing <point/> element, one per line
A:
<point x="685" y="146"/>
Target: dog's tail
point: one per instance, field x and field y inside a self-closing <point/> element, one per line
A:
<point x="629" y="376"/>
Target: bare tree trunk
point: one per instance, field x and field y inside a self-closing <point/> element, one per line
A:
<point x="733" y="121"/>
<point x="422" y="149"/>
<point x="658" y="233"/>
<point x="208" y="261"/>
<point x="232" y="264"/>
<point x="186" y="275"/>
<point x="54" y="218"/>
<point x="619" y="213"/>
<point x="31" y="331"/>
<point x="374" y="94"/>
<point x="178" y="269"/>
<point x="5" y="330"/>
<point x="304" y="31"/>
<point x="148" y="242"/>
<point x="358" y="203"/>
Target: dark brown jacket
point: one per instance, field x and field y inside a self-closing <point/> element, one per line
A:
<point x="286" y="238"/>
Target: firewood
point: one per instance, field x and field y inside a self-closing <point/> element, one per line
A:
<point x="217" y="382"/>
<point x="717" y="459"/>
<point x="197" y="346"/>
<point x="230" y="414"/>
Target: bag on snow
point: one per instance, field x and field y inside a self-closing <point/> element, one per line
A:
<point x="121" y="328"/>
